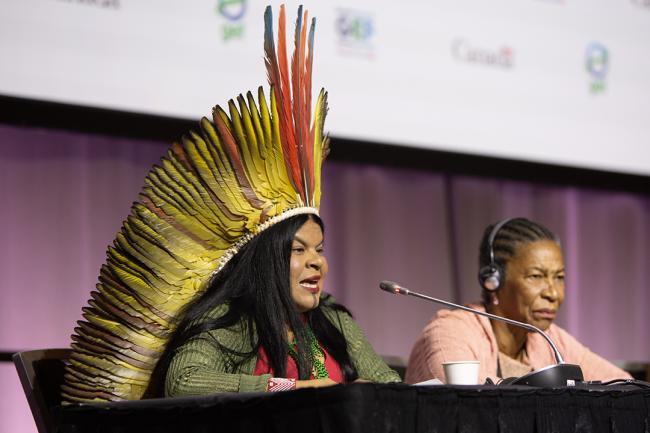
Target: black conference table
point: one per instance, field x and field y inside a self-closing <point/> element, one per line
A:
<point x="377" y="408"/>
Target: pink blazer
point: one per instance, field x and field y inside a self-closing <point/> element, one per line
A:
<point x="457" y="335"/>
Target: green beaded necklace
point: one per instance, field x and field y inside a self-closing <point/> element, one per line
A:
<point x="318" y="367"/>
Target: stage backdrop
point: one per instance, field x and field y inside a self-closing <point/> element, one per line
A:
<point x="538" y="80"/>
<point x="64" y="196"/>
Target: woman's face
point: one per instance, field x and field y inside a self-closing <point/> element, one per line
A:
<point x="308" y="266"/>
<point x="534" y="286"/>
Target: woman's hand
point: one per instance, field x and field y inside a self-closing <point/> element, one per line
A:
<point x="315" y="383"/>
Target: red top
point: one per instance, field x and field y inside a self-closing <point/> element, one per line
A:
<point x="333" y="368"/>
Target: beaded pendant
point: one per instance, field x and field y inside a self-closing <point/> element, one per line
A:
<point x="316" y="354"/>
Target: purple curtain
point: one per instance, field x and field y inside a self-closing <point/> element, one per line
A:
<point x="64" y="195"/>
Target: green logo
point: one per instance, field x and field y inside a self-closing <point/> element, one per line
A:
<point x="233" y="11"/>
<point x="597" y="65"/>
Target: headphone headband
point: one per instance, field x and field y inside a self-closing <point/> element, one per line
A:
<point x="493" y="235"/>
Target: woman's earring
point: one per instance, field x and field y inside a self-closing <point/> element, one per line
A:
<point x="495" y="299"/>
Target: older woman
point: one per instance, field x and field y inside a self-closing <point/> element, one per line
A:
<point x="522" y="275"/>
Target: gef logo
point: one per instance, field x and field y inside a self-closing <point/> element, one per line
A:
<point x="233" y="11"/>
<point x="597" y="66"/>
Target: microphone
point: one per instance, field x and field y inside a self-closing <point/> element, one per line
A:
<point x="560" y="374"/>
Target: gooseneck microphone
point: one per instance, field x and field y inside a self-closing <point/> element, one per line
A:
<point x="560" y="374"/>
<point x="390" y="286"/>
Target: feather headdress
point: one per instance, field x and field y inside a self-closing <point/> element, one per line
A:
<point x="253" y="165"/>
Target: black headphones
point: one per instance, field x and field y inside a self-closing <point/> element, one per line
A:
<point x="491" y="276"/>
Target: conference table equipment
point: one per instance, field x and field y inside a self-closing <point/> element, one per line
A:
<point x="551" y="376"/>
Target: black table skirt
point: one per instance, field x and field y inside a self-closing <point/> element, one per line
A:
<point x="376" y="408"/>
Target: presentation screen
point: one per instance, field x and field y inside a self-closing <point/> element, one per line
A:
<point x="564" y="82"/>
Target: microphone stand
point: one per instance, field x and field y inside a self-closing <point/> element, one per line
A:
<point x="557" y="375"/>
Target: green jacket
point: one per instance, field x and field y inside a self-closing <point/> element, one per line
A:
<point x="199" y="367"/>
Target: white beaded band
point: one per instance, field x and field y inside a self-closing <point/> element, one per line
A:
<point x="230" y="253"/>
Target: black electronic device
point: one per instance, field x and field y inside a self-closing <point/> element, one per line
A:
<point x="491" y="276"/>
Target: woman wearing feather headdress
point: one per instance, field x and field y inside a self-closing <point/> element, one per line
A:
<point x="214" y="283"/>
<point x="265" y="324"/>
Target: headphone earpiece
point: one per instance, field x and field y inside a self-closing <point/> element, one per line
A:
<point x="491" y="276"/>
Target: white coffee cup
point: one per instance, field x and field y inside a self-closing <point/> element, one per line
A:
<point x="461" y="372"/>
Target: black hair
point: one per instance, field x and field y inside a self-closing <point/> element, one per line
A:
<point x="514" y="232"/>
<point x="255" y="287"/>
